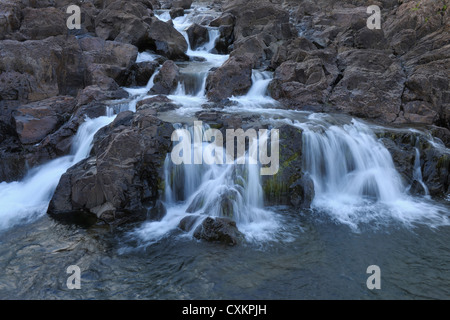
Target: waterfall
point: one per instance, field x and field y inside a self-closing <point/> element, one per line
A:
<point x="355" y="178"/>
<point x="27" y="200"/>
<point x="216" y="190"/>
<point x="257" y="96"/>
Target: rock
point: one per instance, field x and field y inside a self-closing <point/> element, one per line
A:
<point x="185" y="4"/>
<point x="157" y="212"/>
<point x="371" y="86"/>
<point x="124" y="21"/>
<point x="226" y="19"/>
<point x="187" y="223"/>
<point x="165" y="40"/>
<point x="289" y="186"/>
<point x="42" y="23"/>
<point x="166" y="81"/>
<point x="302" y="192"/>
<point x="198" y="35"/>
<point x="157" y="104"/>
<point x="59" y="143"/>
<point x="417" y="189"/>
<point x="33" y="122"/>
<point x="234" y="77"/>
<point x="140" y="73"/>
<point x="219" y="230"/>
<point x="226" y="39"/>
<point x="124" y="173"/>
<point x="265" y="17"/>
<point x="304" y="84"/>
<point x="11" y="18"/>
<point x="13" y="165"/>
<point x="176" y="12"/>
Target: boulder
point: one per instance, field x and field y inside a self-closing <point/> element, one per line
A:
<point x="140" y="73"/>
<point x="234" y="77"/>
<point x="221" y="230"/>
<point x="124" y="21"/>
<point x="198" y="35"/>
<point x="33" y="122"/>
<point x="176" y="12"/>
<point x="42" y="23"/>
<point x="226" y="19"/>
<point x="166" y="81"/>
<point x="185" y="4"/>
<point x="165" y="40"/>
<point x="123" y="176"/>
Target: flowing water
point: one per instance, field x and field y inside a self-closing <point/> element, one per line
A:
<point x="361" y="215"/>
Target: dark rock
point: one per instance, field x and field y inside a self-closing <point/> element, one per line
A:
<point x="219" y="230"/>
<point x="226" y="39"/>
<point x="198" y="35"/>
<point x="187" y="223"/>
<point x="289" y="186"/>
<point x="234" y="77"/>
<point x="124" y="21"/>
<point x="166" y="81"/>
<point x="225" y="19"/>
<point x="176" y="12"/>
<point x="11" y="18"/>
<point x="122" y="176"/>
<point x="165" y="40"/>
<point x="185" y="4"/>
<point x="140" y="73"/>
<point x="371" y="87"/>
<point x="42" y="23"/>
<point x="33" y="122"/>
<point x="417" y="189"/>
<point x="157" y="212"/>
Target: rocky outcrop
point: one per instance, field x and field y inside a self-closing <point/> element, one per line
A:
<point x="123" y="174"/>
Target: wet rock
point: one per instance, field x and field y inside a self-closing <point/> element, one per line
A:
<point x="302" y="192"/>
<point x="157" y="212"/>
<point x="219" y="230"/>
<point x="417" y="189"/>
<point x="226" y="39"/>
<point x="165" y="40"/>
<point x="290" y="185"/>
<point x="187" y="223"/>
<point x="198" y="35"/>
<point x="176" y="12"/>
<point x="234" y="77"/>
<point x="140" y="73"/>
<point x="166" y="81"/>
<point x="124" y="173"/>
